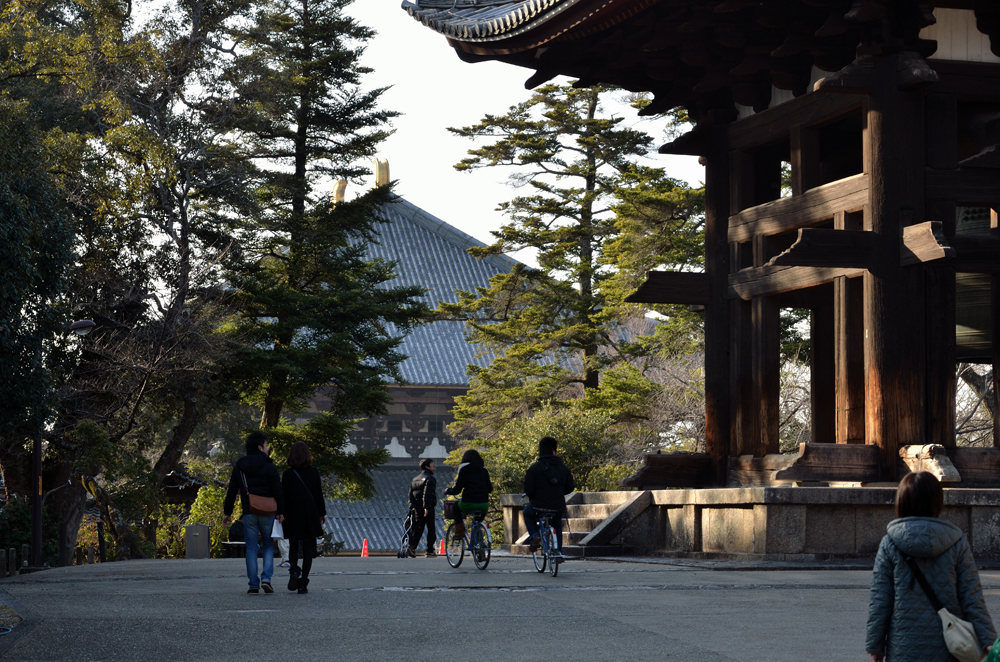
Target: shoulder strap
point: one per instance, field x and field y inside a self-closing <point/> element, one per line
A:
<point x="245" y="488"/>
<point x="295" y="471"/>
<point x="928" y="591"/>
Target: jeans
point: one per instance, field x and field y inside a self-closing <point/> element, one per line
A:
<point x="531" y="522"/>
<point x="254" y="526"/>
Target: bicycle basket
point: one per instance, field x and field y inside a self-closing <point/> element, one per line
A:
<point x="451" y="510"/>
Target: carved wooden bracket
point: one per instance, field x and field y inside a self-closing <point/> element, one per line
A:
<point x="924" y="242"/>
<point x="932" y="458"/>
<point x="678" y="287"/>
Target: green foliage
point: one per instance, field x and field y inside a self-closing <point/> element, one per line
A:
<point x="15" y="530"/>
<point x="326" y="436"/>
<point x="207" y="509"/>
<point x="588" y="444"/>
<point x="170" y="531"/>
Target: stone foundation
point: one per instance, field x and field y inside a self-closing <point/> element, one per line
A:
<point x="782" y="523"/>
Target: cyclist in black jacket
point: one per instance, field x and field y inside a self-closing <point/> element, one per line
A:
<point x="473" y="483"/>
<point x="546" y="483"/>
<point x="423" y="500"/>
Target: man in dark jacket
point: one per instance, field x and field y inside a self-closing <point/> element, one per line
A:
<point x="423" y="500"/>
<point x="546" y="483"/>
<point x="255" y="473"/>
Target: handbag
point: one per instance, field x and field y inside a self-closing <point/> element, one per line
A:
<point x="260" y="505"/>
<point x="959" y="635"/>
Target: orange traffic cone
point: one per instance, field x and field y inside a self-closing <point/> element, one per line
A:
<point x="441" y="550"/>
<point x="364" y="549"/>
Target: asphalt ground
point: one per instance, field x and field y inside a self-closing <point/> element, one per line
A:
<point x="383" y="608"/>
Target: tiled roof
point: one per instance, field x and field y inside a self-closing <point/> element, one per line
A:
<point x="484" y="20"/>
<point x="380" y="519"/>
<point x="433" y="254"/>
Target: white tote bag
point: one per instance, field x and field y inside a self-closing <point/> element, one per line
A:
<point x="277" y="531"/>
<point x="960" y="637"/>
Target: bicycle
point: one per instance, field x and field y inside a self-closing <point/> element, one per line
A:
<point x="404" y="541"/>
<point x="477" y="540"/>
<point x="548" y="553"/>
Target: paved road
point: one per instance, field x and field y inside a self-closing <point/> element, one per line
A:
<point x="420" y="609"/>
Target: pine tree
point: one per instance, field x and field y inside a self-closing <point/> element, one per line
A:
<point x="322" y="314"/>
<point x="556" y="329"/>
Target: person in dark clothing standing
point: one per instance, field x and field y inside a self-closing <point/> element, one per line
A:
<point x="305" y="513"/>
<point x="473" y="483"/>
<point x="255" y="473"/>
<point x="423" y="500"/>
<point x="546" y="483"/>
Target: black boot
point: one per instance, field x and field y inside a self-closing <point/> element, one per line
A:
<point x="293" y="578"/>
<point x="302" y="585"/>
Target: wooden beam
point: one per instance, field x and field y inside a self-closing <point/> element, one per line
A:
<point x="972" y="187"/>
<point x="677" y="287"/>
<point x="749" y="283"/>
<point x="812" y="207"/>
<point x="924" y="242"/>
<point x="772" y="124"/>
<point x="976" y="254"/>
<point x="658" y="471"/>
<point x="833" y="462"/>
<point x="818" y="247"/>
<point x="969" y="81"/>
<point x="978" y="467"/>
<point x="766" y="357"/>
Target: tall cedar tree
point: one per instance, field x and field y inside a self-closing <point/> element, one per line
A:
<point x="555" y="329"/>
<point x="324" y="316"/>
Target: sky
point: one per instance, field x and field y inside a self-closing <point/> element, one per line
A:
<point x="434" y="90"/>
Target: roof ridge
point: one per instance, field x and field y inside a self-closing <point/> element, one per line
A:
<point x="450" y="233"/>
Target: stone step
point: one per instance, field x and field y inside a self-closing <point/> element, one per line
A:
<point x="582" y="523"/>
<point x="574" y="536"/>
<point x="601" y="497"/>
<point x="590" y="551"/>
<point x="591" y="510"/>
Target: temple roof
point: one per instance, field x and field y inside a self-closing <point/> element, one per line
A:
<point x="434" y="255"/>
<point x="704" y="55"/>
<point x="484" y="20"/>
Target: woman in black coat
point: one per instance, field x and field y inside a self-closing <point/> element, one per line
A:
<point x="305" y="513"/>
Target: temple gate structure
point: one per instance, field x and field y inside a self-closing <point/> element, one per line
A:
<point x="887" y="115"/>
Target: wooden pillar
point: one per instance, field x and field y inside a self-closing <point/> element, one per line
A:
<point x="995" y="320"/>
<point x="805" y="159"/>
<point x="717" y="389"/>
<point x="742" y="440"/>
<point x="849" y="363"/>
<point x="822" y="374"/>
<point x="893" y="296"/>
<point x="941" y="148"/>
<point x="766" y="373"/>
<point x="940" y="355"/>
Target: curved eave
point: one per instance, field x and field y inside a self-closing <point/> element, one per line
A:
<point x="514" y="27"/>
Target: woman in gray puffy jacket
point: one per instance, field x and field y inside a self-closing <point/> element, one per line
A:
<point x="902" y="624"/>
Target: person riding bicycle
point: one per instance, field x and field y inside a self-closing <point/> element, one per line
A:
<point x="546" y="484"/>
<point x="473" y="484"/>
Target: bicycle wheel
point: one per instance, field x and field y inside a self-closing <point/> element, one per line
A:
<point x="480" y="545"/>
<point x="454" y="547"/>
<point x="539" y="556"/>
<point x="554" y="556"/>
